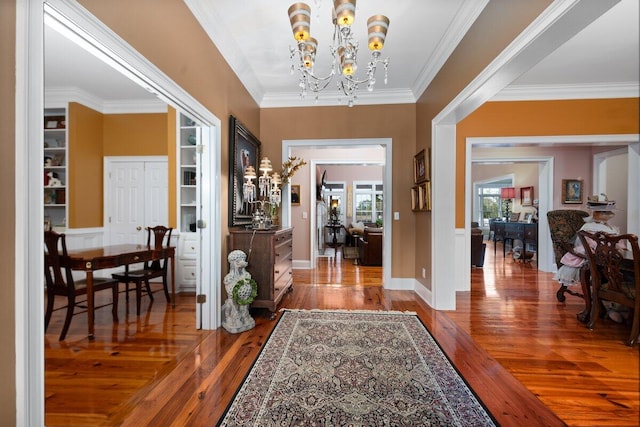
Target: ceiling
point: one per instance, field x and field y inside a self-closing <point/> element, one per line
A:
<point x="600" y="61"/>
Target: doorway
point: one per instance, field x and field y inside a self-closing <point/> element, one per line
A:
<point x="29" y="211"/>
<point x="344" y="152"/>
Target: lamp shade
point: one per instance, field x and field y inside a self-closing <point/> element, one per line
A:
<point x="377" y="27"/>
<point x="508" y="193"/>
<point x="300" y="18"/>
<point x="345" y="11"/>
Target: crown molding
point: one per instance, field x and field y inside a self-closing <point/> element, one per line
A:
<point x="464" y="19"/>
<point x="568" y="91"/>
<point x="333" y="99"/>
<point x="60" y="97"/>
<point x="226" y="44"/>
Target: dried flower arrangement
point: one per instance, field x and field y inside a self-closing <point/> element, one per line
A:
<point x="290" y="167"/>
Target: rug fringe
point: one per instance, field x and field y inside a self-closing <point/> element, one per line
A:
<point x="318" y="310"/>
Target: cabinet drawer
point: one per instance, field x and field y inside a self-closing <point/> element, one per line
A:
<point x="188" y="246"/>
<point x="187" y="273"/>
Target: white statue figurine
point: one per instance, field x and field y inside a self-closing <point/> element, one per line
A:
<point x="236" y="317"/>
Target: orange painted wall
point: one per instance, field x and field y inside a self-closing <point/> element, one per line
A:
<point x="85" y="166"/>
<point x="542" y="118"/>
<point x="93" y="135"/>
<point x="171" y="154"/>
<point x="135" y="134"/>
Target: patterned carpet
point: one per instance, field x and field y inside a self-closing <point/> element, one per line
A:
<point x="353" y="368"/>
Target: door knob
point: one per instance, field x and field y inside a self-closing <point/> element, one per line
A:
<point x="138" y="228"/>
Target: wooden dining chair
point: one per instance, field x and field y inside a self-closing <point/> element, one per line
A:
<point x="614" y="274"/>
<point x="60" y="282"/>
<point x="158" y="237"/>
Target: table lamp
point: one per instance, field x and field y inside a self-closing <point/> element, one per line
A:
<point x="507" y="194"/>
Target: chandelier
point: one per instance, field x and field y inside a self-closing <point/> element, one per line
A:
<point x="344" y="50"/>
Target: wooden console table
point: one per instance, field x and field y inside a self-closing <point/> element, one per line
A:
<point x="509" y="231"/>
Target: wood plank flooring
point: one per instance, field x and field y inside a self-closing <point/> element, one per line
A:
<point x="525" y="355"/>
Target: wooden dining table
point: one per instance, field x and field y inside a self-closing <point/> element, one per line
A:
<point x="100" y="258"/>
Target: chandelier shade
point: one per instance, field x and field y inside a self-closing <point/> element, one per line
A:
<point x="343" y="49"/>
<point x="300" y="18"/>
<point x="377" y="26"/>
<point x="345" y="11"/>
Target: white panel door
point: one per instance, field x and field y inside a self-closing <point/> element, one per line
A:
<point x="136" y="196"/>
<point x="156" y="198"/>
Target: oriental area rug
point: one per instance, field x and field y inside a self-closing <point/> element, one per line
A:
<point x="353" y="368"/>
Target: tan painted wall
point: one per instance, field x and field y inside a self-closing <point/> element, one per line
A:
<point x="7" y="215"/>
<point x="382" y="121"/>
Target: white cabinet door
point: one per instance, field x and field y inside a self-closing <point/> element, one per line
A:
<point x="136" y="196"/>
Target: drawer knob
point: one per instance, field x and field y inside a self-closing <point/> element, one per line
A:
<point x="277" y="271"/>
<point x="277" y="254"/>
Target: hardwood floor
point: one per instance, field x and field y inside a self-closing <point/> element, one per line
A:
<point x="525" y="355"/>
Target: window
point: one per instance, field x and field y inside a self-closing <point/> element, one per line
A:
<point x="334" y="197"/>
<point x="488" y="201"/>
<point x="368" y="197"/>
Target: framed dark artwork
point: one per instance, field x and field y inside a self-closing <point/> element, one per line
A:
<point x="244" y="151"/>
<point x="514" y="217"/>
<point x="420" y="167"/>
<point x="295" y="195"/>
<point x="526" y="196"/>
<point x="572" y="191"/>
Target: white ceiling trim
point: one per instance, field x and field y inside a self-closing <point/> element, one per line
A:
<point x="60" y="97"/>
<point x="228" y="47"/>
<point x="328" y="99"/>
<point x="565" y="91"/>
<point x="465" y="18"/>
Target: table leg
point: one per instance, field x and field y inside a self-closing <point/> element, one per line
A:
<point x="90" y="304"/>
<point x="173" y="281"/>
<point x="585" y="282"/>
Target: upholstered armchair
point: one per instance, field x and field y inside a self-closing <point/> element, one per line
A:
<point x="370" y="247"/>
<point x="564" y="225"/>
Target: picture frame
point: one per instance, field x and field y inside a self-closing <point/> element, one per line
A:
<point x="244" y="151"/>
<point x="55" y="122"/>
<point x="420" y="167"/>
<point x="514" y="217"/>
<point x="421" y="197"/>
<point x="572" y="191"/>
<point x="526" y="196"/>
<point x="527" y="217"/>
<point x="295" y="195"/>
<point x="414" y="199"/>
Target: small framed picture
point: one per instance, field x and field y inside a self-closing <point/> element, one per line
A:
<point x="420" y="167"/>
<point x="526" y="196"/>
<point x="572" y="191"/>
<point x="527" y="217"/>
<point x="514" y="217"/>
<point x="295" y="195"/>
